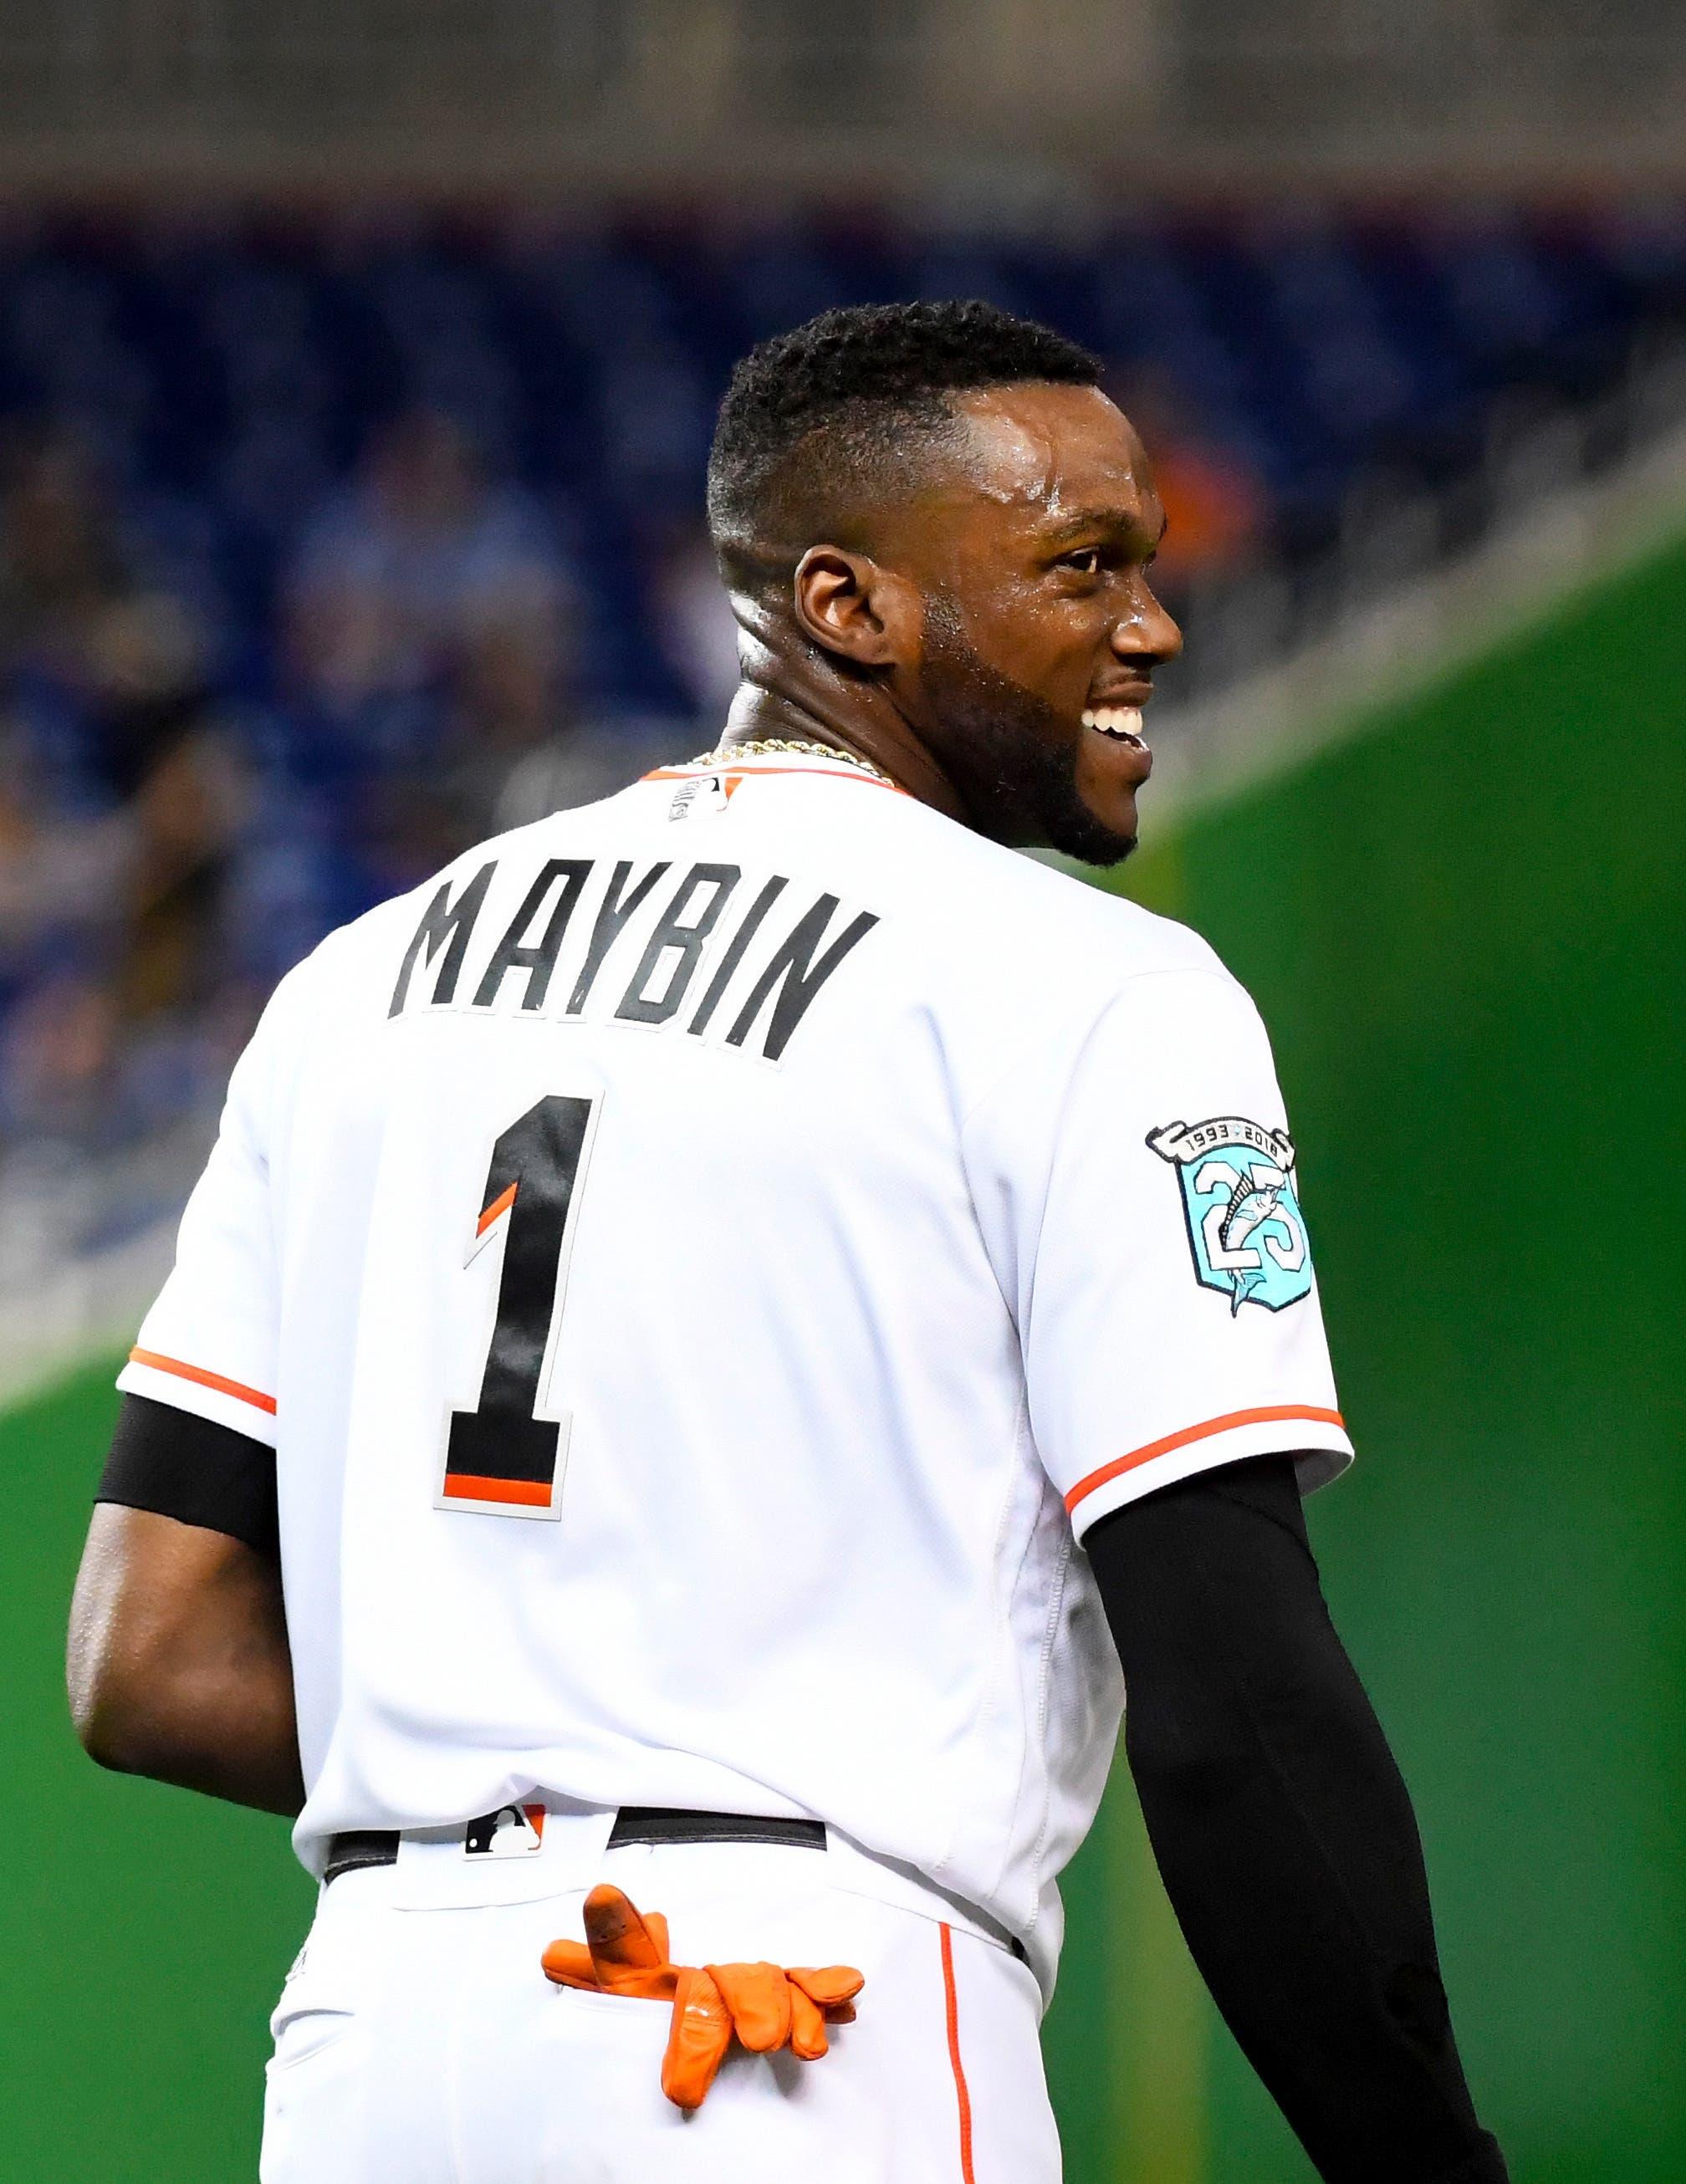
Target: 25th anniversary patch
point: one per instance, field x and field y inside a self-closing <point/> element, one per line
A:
<point x="1245" y="1228"/>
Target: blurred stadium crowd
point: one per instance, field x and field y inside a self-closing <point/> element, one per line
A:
<point x="328" y="545"/>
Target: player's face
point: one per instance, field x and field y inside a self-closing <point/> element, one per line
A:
<point x="1041" y="632"/>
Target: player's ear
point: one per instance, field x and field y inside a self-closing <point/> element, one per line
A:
<point x="850" y="606"/>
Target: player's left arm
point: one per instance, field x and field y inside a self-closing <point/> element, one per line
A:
<point x="178" y="1663"/>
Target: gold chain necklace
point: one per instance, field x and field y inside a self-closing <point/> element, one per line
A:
<point x="785" y="747"/>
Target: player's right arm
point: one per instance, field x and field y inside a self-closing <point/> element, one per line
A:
<point x="1141" y="1193"/>
<point x="177" y="1662"/>
<point x="1282" y="1828"/>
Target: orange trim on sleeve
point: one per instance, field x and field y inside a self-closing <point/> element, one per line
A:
<point x="468" y="1486"/>
<point x="1270" y="1414"/>
<point x="962" y="2098"/>
<point x="501" y="1203"/>
<point x="198" y="1373"/>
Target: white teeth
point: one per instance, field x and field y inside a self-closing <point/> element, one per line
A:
<point x="1115" y="720"/>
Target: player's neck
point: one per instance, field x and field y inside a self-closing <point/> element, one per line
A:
<point x="796" y="704"/>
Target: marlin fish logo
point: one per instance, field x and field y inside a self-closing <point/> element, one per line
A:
<point x="1241" y="1206"/>
<point x="1252" y="1203"/>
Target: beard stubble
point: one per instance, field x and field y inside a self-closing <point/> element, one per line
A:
<point x="1006" y="750"/>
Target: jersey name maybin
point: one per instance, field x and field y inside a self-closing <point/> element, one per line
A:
<point x="768" y="957"/>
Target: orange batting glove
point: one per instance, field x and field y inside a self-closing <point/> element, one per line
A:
<point x="626" y="1952"/>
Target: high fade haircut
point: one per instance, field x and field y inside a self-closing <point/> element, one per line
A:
<point x="818" y="423"/>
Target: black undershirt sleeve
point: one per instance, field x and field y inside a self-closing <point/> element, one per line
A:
<point x="183" y="1466"/>
<point x="1282" y="1829"/>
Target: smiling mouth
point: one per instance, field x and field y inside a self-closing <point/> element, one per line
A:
<point x="1123" y="723"/>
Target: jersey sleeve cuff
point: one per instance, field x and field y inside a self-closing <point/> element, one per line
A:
<point x="1316" y="1435"/>
<point x="189" y="1386"/>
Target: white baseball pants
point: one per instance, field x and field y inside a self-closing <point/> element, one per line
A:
<point x="418" y="2042"/>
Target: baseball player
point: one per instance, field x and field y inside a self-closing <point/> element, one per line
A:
<point x="717" y="1337"/>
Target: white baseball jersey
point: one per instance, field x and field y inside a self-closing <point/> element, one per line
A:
<point x="702" y="1261"/>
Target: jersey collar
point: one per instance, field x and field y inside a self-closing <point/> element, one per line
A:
<point x="781" y="763"/>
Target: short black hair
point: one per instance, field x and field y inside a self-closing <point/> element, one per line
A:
<point x="813" y="416"/>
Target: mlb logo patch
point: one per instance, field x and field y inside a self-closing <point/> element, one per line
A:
<point x="513" y="1832"/>
<point x="706" y="797"/>
<point x="1245" y="1228"/>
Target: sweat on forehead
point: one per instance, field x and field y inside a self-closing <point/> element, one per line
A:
<point x="1032" y="450"/>
<point x="825" y="424"/>
<point x="1051" y="450"/>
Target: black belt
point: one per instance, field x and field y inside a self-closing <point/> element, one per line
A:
<point x="633" y="1823"/>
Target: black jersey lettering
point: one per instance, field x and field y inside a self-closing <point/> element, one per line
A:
<point x="793" y="978"/>
<point x="711" y="932"/>
<point x="735" y="950"/>
<point x="516" y="952"/>
<point x="502" y="1456"/>
<point x="684" y="943"/>
<point x="445" y="924"/>
<point x="618" y="907"/>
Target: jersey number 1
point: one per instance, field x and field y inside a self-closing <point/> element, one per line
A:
<point x="501" y="1457"/>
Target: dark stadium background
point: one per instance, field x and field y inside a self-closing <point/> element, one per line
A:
<point x="354" y="388"/>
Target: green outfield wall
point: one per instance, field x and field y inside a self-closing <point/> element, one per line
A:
<point x="1465" y="928"/>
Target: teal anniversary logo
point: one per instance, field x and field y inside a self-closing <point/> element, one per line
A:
<point x="1245" y="1228"/>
